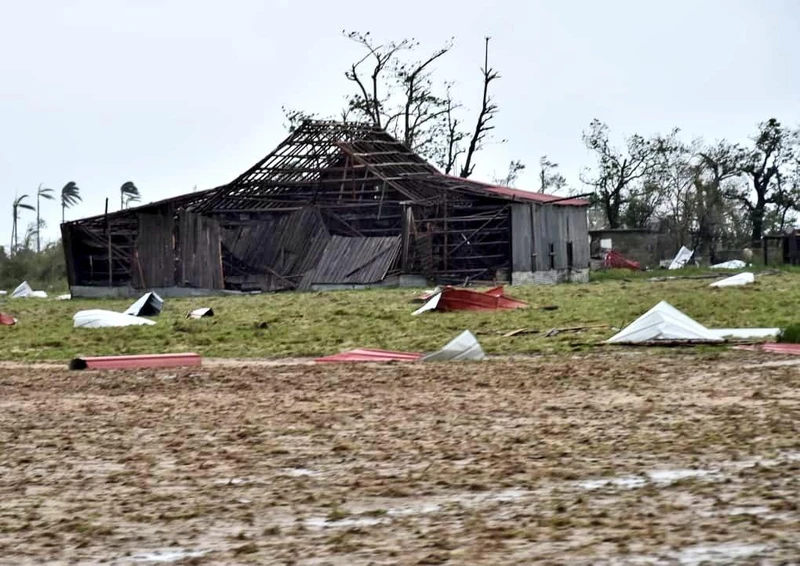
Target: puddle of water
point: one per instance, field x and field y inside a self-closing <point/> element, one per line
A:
<point x="717" y="554"/>
<point x="299" y="472"/>
<point x="660" y="477"/>
<point x="167" y="555"/>
<point x="671" y="476"/>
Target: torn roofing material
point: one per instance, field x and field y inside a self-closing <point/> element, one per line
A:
<point x="24" y="291"/>
<point x="664" y="323"/>
<point x="7" y="319"/>
<point x="355" y="261"/>
<point x="149" y="304"/>
<point x="463" y="347"/>
<point x="732" y="264"/>
<point x="745" y="333"/>
<point x="735" y="280"/>
<point x="681" y="258"/>
<point x="99" y="318"/>
<point x="370" y="355"/>
<point x="456" y="299"/>
<point x="200" y="313"/>
<point x="137" y="361"/>
<point x="615" y="260"/>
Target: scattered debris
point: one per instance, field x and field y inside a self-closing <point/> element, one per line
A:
<point x="556" y="331"/>
<point x="663" y="323"/>
<point x="458" y="299"/>
<point x="135" y="362"/>
<point x="746" y="333"/>
<point x="370" y="355"/>
<point x="425" y="296"/>
<point x="677" y="277"/>
<point x="200" y="313"/>
<point x="99" y="318"/>
<point x="66" y="297"/>
<point x="463" y="347"/>
<point x="681" y="258"/>
<point x="732" y="264"/>
<point x="735" y="280"/>
<point x="24" y="291"/>
<point x="615" y="260"/>
<point x="149" y="304"/>
<point x="7" y="319"/>
<point x="3" y="293"/>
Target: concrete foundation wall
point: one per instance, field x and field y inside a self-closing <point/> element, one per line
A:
<point x="90" y="292"/>
<point x="550" y="277"/>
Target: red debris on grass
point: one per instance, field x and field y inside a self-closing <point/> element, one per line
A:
<point x="455" y="299"/>
<point x="7" y="319"/>
<point x="774" y="347"/>
<point x="135" y="362"/>
<point x="615" y="260"/>
<point x="371" y="355"/>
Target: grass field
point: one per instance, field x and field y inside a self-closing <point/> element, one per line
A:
<point x="311" y="324"/>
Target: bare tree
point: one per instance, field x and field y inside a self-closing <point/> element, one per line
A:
<point x="619" y="176"/>
<point x="549" y="177"/>
<point x="764" y="165"/>
<point x="485" y="115"/>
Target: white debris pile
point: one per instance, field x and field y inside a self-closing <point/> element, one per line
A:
<point x="732" y="264"/>
<point x="99" y="318"/>
<point x="681" y="258"/>
<point x="463" y="347"/>
<point x="24" y="291"/>
<point x="735" y="280"/>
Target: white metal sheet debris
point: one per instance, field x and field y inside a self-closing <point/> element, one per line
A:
<point x="746" y="333"/>
<point x="66" y="297"/>
<point x="732" y="264"/>
<point x="24" y="291"/>
<point x="149" y="304"/>
<point x="682" y="258"/>
<point x="735" y="280"/>
<point x="99" y="318"/>
<point x="432" y="303"/>
<point x="200" y="313"/>
<point x="664" y="323"/>
<point x="463" y="347"/>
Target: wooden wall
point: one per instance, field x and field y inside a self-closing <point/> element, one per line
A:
<point x="542" y="234"/>
<point x="154" y="255"/>
<point x="200" y="252"/>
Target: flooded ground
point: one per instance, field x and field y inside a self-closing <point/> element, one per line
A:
<point x="636" y="458"/>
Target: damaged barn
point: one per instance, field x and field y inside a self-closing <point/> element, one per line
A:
<point x="335" y="205"/>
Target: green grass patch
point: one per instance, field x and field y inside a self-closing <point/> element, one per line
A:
<point x="311" y="324"/>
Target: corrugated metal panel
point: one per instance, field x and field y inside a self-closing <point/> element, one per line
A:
<point x="135" y="362"/>
<point x="371" y="355"/>
<point x="7" y="319"/>
<point x="355" y="261"/>
<point x="282" y="248"/>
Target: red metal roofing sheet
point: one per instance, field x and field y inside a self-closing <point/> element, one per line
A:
<point x="371" y="355"/>
<point x="7" y="319"/>
<point x="523" y="195"/>
<point x="775" y="348"/>
<point x="454" y="299"/>
<point x="140" y="361"/>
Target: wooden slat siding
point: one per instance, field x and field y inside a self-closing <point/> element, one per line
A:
<point x="155" y="251"/>
<point x="355" y="261"/>
<point x="200" y="253"/>
<point x="521" y="238"/>
<point x="579" y="234"/>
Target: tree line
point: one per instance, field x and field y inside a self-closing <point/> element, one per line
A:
<point x="709" y="195"/>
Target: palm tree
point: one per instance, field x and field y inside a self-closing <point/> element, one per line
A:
<point x="70" y="196"/>
<point x="128" y="193"/>
<point x="41" y="193"/>
<point x="18" y="204"/>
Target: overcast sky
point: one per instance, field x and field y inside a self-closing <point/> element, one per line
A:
<point x="174" y="94"/>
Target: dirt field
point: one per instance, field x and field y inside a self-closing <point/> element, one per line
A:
<point x="617" y="459"/>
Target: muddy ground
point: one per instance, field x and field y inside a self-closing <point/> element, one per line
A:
<point x="611" y="459"/>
